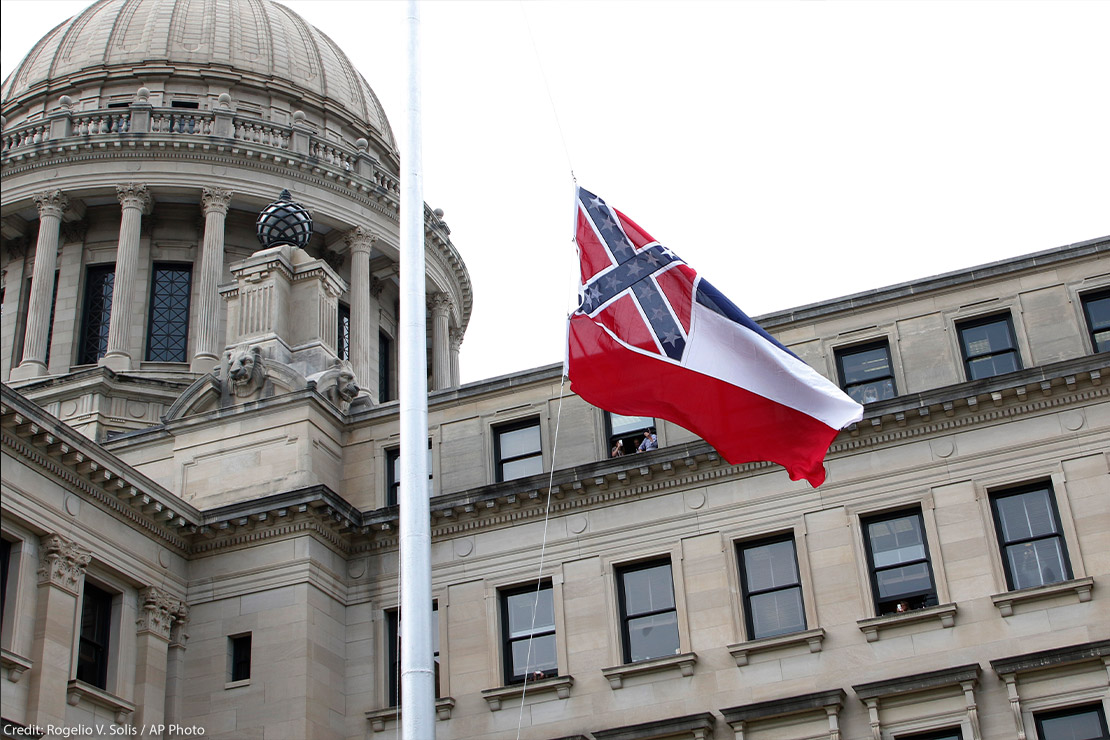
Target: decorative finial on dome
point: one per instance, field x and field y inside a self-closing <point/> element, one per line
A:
<point x="142" y="95"/>
<point x="225" y="101"/>
<point x="284" y="222"/>
<point x="65" y="103"/>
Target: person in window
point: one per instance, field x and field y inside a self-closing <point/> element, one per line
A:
<point x="618" y="449"/>
<point x="651" y="442"/>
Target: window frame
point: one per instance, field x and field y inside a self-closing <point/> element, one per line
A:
<point x="1085" y="300"/>
<point x="237" y="656"/>
<point x="101" y="663"/>
<point x="509" y="676"/>
<point x="183" y="336"/>
<point x="85" y="354"/>
<point x="839" y="354"/>
<point x="392" y="641"/>
<point x="624" y="618"/>
<point x="385" y="367"/>
<point x="877" y="603"/>
<point x="741" y="546"/>
<point x="1060" y="534"/>
<point x="393" y="474"/>
<point x="343" y="331"/>
<point x="1040" y="716"/>
<point x="631" y="439"/>
<point x="1006" y="317"/>
<point x="497" y="430"/>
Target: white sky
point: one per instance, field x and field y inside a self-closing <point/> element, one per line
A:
<point x="791" y="152"/>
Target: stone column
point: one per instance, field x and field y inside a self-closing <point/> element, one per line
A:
<point x="158" y="611"/>
<point x="206" y="355"/>
<point x="175" y="667"/>
<point x="360" y="241"/>
<point x="441" y="360"/>
<point x="51" y="204"/>
<point x="135" y="201"/>
<point x="61" y="574"/>
<point x="456" y="344"/>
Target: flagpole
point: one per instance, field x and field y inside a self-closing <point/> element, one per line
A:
<point x="417" y="669"/>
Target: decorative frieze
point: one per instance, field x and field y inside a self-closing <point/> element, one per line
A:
<point x="62" y="563"/>
<point x="158" y="612"/>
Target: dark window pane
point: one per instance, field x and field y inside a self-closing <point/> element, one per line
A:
<point x="901" y="575"/>
<point x="903" y="581"/>
<point x="1080" y="723"/>
<point x="343" y="343"/>
<point x="1037" y="563"/>
<point x="653" y="637"/>
<point x="93" y="645"/>
<point x="99" y="281"/>
<point x="1026" y="515"/>
<point x="520" y="442"/>
<point x="541" y="659"/>
<point x="986" y="367"/>
<point x="896" y="541"/>
<point x="1097" y="309"/>
<point x="393" y="653"/>
<point x="240" y="647"/>
<point x="519" y="607"/>
<point x="385" y="365"/>
<point x="989" y="348"/>
<point x="168" y="328"/>
<point x="521" y="468"/>
<point x="518" y="453"/>
<point x="770" y="566"/>
<point x="865" y="372"/>
<point x="1028" y="527"/>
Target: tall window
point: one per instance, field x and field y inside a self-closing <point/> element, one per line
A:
<point x="628" y="431"/>
<point x="393" y="652"/>
<point x="772" y="588"/>
<point x="1074" y="723"/>
<point x="1028" y="526"/>
<point x="385" y="365"/>
<point x="517" y="451"/>
<point x="239" y="657"/>
<point x="21" y="335"/>
<point x="5" y="562"/>
<point x="393" y="474"/>
<point x="96" y="312"/>
<point x="96" y="633"/>
<point x="528" y="633"/>
<point x="343" y="341"/>
<point x="649" y="619"/>
<point x="168" y="327"/>
<point x="865" y="372"/>
<point x="898" y="556"/>
<point x="988" y="347"/>
<point x="1096" y="307"/>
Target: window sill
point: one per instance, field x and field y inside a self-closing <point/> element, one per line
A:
<point x="1080" y="586"/>
<point x="684" y="662"/>
<point x="78" y="690"/>
<point x="379" y="718"/>
<point x="945" y="614"/>
<point x="742" y="650"/>
<point x="237" y="684"/>
<point x="16" y="665"/>
<point x="559" y="684"/>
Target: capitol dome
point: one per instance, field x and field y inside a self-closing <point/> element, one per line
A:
<point x="261" y="52"/>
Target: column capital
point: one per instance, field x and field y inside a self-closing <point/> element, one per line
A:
<point x="216" y="200"/>
<point x="134" y="195"/>
<point x="62" y="563"/>
<point x="51" y="203"/>
<point x="456" y="335"/>
<point x="439" y="303"/>
<point x="158" y="612"/>
<point x="360" y="239"/>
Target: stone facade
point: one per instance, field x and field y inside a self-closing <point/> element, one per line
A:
<point x="210" y="542"/>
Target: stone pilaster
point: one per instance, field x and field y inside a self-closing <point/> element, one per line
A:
<point x="215" y="202"/>
<point x="360" y="241"/>
<point x="61" y="575"/>
<point x="134" y="201"/>
<point x="158" y="611"/>
<point x="175" y="666"/>
<point x="51" y="204"/>
<point x="440" y="306"/>
<point x="456" y="345"/>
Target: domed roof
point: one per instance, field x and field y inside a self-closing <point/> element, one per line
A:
<point x="259" y="42"/>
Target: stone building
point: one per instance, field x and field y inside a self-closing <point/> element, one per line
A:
<point x="200" y="438"/>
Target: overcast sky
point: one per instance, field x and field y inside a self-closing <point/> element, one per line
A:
<point x="791" y="152"/>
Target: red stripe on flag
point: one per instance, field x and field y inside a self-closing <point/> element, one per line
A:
<point x="636" y="235"/>
<point x="742" y="426"/>
<point x="592" y="253"/>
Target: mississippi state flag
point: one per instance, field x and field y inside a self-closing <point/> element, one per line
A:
<point x="652" y="338"/>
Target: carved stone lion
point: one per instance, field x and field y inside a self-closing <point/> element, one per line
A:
<point x="245" y="372"/>
<point x="337" y="384"/>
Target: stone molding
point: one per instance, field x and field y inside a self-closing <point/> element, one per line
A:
<point x="51" y="203"/>
<point x="1081" y="587"/>
<point x="944" y="613"/>
<point x="683" y="662"/>
<point x="378" y="718"/>
<point x="135" y="195"/>
<point x="828" y="702"/>
<point x="741" y="651"/>
<point x="62" y="563"/>
<point x="215" y="200"/>
<point x="693" y="726"/>
<point x="560" y="685"/>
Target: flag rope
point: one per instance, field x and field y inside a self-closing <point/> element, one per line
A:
<point x="543" y="552"/>
<point x="547" y="89"/>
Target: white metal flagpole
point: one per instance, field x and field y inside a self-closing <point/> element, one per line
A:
<point x="417" y="668"/>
